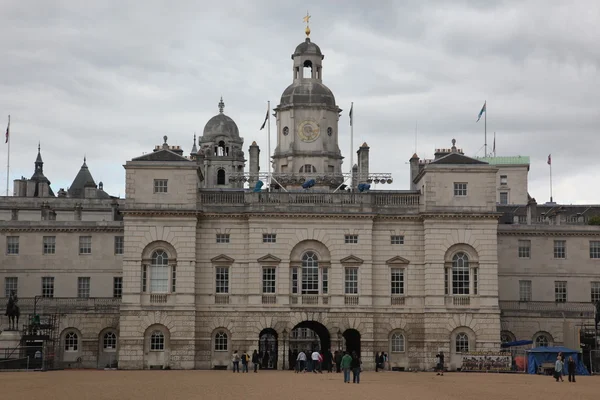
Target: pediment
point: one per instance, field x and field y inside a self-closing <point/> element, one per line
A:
<point x="161" y="155"/>
<point x="222" y="259"/>
<point x="397" y="261"/>
<point x="351" y="260"/>
<point x="269" y="258"/>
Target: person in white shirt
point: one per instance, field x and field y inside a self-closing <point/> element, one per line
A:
<point x="316" y="362"/>
<point x="300" y="361"/>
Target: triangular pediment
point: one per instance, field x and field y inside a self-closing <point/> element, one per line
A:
<point x="222" y="259"/>
<point x="397" y="261"/>
<point x="351" y="260"/>
<point x="161" y="155"/>
<point x="269" y="258"/>
<point x="457" y="158"/>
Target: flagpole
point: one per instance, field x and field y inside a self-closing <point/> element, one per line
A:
<point x="550" y="157"/>
<point x="352" y="143"/>
<point x="269" y="142"/>
<point x="494" y="144"/>
<point x="8" y="156"/>
<point x="485" y="130"/>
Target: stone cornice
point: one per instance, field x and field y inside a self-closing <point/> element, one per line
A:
<point x="159" y="213"/>
<point x="561" y="233"/>
<point x="287" y="215"/>
<point x="63" y="228"/>
<point x="461" y="215"/>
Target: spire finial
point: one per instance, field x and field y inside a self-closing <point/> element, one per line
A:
<point x="39" y="145"/>
<point x="165" y="139"/>
<point x="306" y="19"/>
<point x="194" y="138"/>
<point x="84" y="158"/>
<point x="221" y="105"/>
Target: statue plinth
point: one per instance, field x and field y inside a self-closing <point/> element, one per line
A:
<point x="9" y="339"/>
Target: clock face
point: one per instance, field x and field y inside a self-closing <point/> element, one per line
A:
<point x="308" y="131"/>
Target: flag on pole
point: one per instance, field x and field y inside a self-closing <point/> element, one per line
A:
<point x="351" y="107"/>
<point x="494" y="148"/>
<point x="549" y="159"/>
<point x="7" y="130"/>
<point x="265" y="121"/>
<point x="481" y="112"/>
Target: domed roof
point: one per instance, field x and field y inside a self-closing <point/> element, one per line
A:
<point x="313" y="93"/>
<point x="307" y="47"/>
<point x="221" y="125"/>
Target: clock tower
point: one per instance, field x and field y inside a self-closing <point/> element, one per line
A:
<point x="307" y="124"/>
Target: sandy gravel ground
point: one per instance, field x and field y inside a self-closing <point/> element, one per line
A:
<point x="175" y="385"/>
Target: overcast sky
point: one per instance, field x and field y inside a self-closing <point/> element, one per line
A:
<point x="107" y="79"/>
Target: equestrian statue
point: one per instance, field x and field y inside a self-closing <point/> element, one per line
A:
<point x="12" y="312"/>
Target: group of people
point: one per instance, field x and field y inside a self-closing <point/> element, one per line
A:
<point x="245" y="359"/>
<point x="559" y="368"/>
<point x="381" y="361"/>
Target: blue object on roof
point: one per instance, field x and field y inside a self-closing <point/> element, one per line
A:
<point x="362" y="187"/>
<point x="309" y="183"/>
<point x="258" y="186"/>
<point x="539" y="355"/>
<point x="516" y="343"/>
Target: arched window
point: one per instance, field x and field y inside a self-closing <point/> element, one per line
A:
<point x="221" y="177"/>
<point x="542" y="341"/>
<point x="310" y="273"/>
<point x="221" y="341"/>
<point x="159" y="272"/>
<point x="157" y="341"/>
<point x="307" y="71"/>
<point x="506" y="337"/>
<point x="460" y="274"/>
<point x="221" y="150"/>
<point x="462" y="343"/>
<point x="397" y="343"/>
<point x="71" y="341"/>
<point x="308" y="168"/>
<point x="110" y="341"/>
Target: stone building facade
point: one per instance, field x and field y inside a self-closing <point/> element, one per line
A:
<point x="191" y="266"/>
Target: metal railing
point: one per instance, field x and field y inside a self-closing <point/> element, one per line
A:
<point x="508" y="305"/>
<point x="269" y="299"/>
<point x="66" y="304"/>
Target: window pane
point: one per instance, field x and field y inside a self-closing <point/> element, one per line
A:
<point x="595" y="249"/>
<point x="462" y="343"/>
<point x="11" y="285"/>
<point x="49" y="245"/>
<point x="83" y="287"/>
<point x="222" y="280"/>
<point x="460" y="274"/>
<point x="85" y="245"/>
<point x="397" y="343"/>
<point x="117" y="287"/>
<point x="268" y="280"/>
<point x="310" y="273"/>
<point x="524" y="248"/>
<point x="397" y="281"/>
<point x="560" y="291"/>
<point x="159" y="272"/>
<point x="524" y="290"/>
<point x="221" y="341"/>
<point x="47" y="286"/>
<point x="351" y="281"/>
<point x="560" y="249"/>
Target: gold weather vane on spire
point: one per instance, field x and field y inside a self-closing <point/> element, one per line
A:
<point x="306" y="19"/>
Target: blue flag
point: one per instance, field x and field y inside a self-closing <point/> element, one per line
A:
<point x="481" y="112"/>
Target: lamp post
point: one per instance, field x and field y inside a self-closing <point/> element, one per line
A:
<point x="284" y="336"/>
<point x="339" y="335"/>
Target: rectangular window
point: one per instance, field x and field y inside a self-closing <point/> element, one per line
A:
<point x="351" y="281"/>
<point x="222" y="280"/>
<point x="350" y="239"/>
<point x="119" y="245"/>
<point x="85" y="245"/>
<point x="269" y="238"/>
<point x="268" y="280"/>
<point x="397" y="281"/>
<point x="11" y="284"/>
<point x="503" y="197"/>
<point x="83" y="287"/>
<point x="524" y="290"/>
<point x="295" y="280"/>
<point x="159" y="278"/>
<point x="460" y="189"/>
<point x="325" y="273"/>
<point x="397" y="239"/>
<point x="222" y="237"/>
<point x="460" y="281"/>
<point x="117" y="287"/>
<point x="475" y="281"/>
<point x="310" y="278"/>
<point x="49" y="245"/>
<point x="173" y="278"/>
<point x="12" y="245"/>
<point x="560" y="291"/>
<point x="503" y="180"/>
<point x="594" y="249"/>
<point x="524" y="248"/>
<point x="560" y="249"/>
<point x="160" y="186"/>
<point x="144" y="278"/>
<point x="48" y="286"/>
<point x="595" y="292"/>
<point x="446" y="282"/>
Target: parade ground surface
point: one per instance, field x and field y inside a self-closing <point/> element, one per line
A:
<point x="267" y="385"/>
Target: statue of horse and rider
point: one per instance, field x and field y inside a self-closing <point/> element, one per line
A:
<point x="12" y="312"/>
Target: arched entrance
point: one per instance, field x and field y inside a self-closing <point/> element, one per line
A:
<point x="352" y="340"/>
<point x="308" y="336"/>
<point x="267" y="348"/>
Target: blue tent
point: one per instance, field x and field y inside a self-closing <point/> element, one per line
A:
<point x="536" y="357"/>
<point x="516" y="344"/>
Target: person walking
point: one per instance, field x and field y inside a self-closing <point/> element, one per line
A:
<point x="255" y="360"/>
<point x="316" y="362"/>
<point x="439" y="365"/>
<point x="345" y="364"/>
<point x="300" y="361"/>
<point x="236" y="362"/>
<point x="338" y="361"/>
<point x="355" y="365"/>
<point x="329" y="361"/>
<point x="558" y="368"/>
<point x="245" y="360"/>
<point x="571" y="367"/>
<point x="378" y="361"/>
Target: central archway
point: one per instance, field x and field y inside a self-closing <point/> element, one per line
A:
<point x="267" y="348"/>
<point x="352" y="340"/>
<point x="310" y="336"/>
